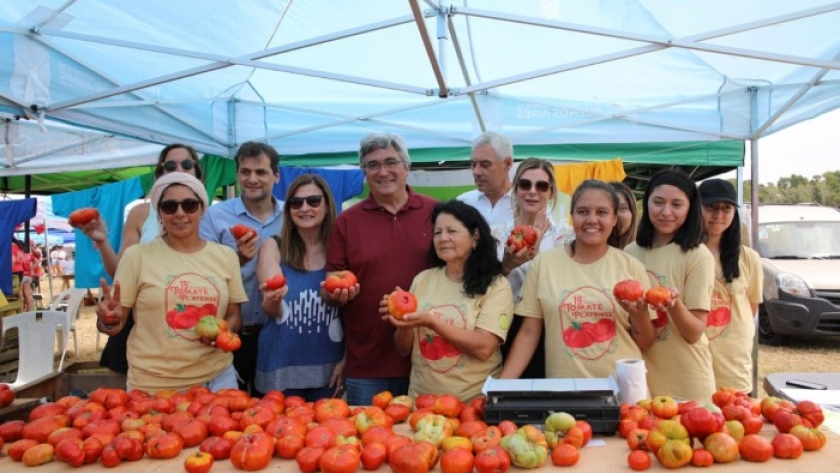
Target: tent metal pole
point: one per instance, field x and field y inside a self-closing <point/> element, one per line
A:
<point x="754" y="216"/>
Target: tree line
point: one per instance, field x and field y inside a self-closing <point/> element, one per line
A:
<point x="823" y="189"/>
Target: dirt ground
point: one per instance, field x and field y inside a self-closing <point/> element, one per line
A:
<point x="818" y="355"/>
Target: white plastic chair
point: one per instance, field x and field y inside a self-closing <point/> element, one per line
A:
<point x="37" y="336"/>
<point x="70" y="301"/>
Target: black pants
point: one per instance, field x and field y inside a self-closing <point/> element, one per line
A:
<point x="536" y="368"/>
<point x="245" y="359"/>
<point x="114" y="354"/>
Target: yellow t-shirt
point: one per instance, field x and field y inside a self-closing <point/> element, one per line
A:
<point x="730" y="326"/>
<point x="586" y="330"/>
<point x="162" y="285"/>
<point x="437" y="367"/>
<point x="675" y="367"/>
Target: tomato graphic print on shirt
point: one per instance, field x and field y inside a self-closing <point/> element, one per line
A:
<point x="660" y="323"/>
<point x="587" y="322"/>
<point x="189" y="297"/>
<point x="717" y="322"/>
<point x="437" y="353"/>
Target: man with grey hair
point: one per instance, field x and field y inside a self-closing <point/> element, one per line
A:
<point x="383" y="240"/>
<point x="491" y="161"/>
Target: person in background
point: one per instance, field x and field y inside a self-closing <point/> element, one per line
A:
<point x="57" y="255"/>
<point x="739" y="278"/>
<point x="669" y="243"/>
<point x="465" y="307"/>
<point x="626" y="214"/>
<point x="142" y="225"/>
<point x="257" y="170"/>
<point x="383" y="240"/>
<point x="301" y="347"/>
<point x="35" y="259"/>
<point x="22" y="269"/>
<point x="491" y="161"/>
<point x="534" y="197"/>
<point x="569" y="292"/>
<point x="169" y="284"/>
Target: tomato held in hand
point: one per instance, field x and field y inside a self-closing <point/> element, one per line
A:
<point x="81" y="217"/>
<point x="228" y="341"/>
<point x="628" y="290"/>
<point x="401" y="303"/>
<point x="657" y="296"/>
<point x="522" y="236"/>
<point x="239" y="231"/>
<point x="278" y="281"/>
<point x="340" y="280"/>
<point x="210" y="327"/>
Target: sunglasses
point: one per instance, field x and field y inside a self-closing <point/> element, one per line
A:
<point x="313" y="201"/>
<point x="186" y="165"/>
<point x="169" y="207"/>
<point x="526" y="185"/>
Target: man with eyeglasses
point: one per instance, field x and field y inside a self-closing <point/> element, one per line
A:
<point x="491" y="161"/>
<point x="257" y="170"/>
<point x="383" y="240"/>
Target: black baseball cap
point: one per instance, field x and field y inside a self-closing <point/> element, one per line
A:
<point x="713" y="191"/>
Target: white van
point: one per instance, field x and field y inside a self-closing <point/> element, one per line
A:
<point x="800" y="250"/>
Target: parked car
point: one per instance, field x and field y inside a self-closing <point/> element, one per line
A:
<point x="800" y="250"/>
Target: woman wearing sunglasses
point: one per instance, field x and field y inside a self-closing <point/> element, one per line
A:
<point x="534" y="197"/>
<point x="141" y="226"/>
<point x="169" y="284"/>
<point x="302" y="352"/>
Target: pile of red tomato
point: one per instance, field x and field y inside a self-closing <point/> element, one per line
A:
<point x="679" y="433"/>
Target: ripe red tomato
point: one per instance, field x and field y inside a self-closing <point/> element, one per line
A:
<point x="811" y="411"/>
<point x="198" y="462"/>
<point x="565" y="455"/>
<point x="457" y="460"/>
<point x="639" y="460"/>
<point x="373" y="455"/>
<point x="492" y="460"/>
<point x="7" y="396"/>
<point x="164" y="446"/>
<point x="657" y="296"/>
<point x="40" y="429"/>
<point x="228" y="341"/>
<point x="628" y="290"/>
<point x="701" y="457"/>
<point x="275" y="282"/>
<point x="340" y="459"/>
<point x="38" y="455"/>
<point x="755" y="448"/>
<point x="81" y="217"/>
<point x="308" y="459"/>
<point x="70" y="451"/>
<point x="522" y="236"/>
<point x="447" y="405"/>
<point x="340" y="280"/>
<point x="401" y="303"/>
<point x="252" y="451"/>
<point x="239" y="231"/>
<point x="787" y="446"/>
<point x="217" y="446"/>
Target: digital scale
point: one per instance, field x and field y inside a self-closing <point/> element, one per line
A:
<point x="531" y="401"/>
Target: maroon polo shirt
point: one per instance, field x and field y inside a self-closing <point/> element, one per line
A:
<point x="384" y="251"/>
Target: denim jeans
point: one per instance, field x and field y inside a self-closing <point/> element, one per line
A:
<point x="311" y="394"/>
<point x="360" y="391"/>
<point x="227" y="380"/>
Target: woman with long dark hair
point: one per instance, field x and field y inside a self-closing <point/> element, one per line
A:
<point x="730" y="327"/>
<point x="669" y="244"/>
<point x="626" y="214"/>
<point x="464" y="311"/>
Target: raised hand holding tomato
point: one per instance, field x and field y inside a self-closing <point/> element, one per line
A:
<point x="81" y="217"/>
<point x="659" y="296"/>
<point x="275" y="288"/>
<point x="341" y="287"/>
<point x="400" y="303"/>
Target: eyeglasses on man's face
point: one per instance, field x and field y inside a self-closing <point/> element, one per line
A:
<point x="169" y="207"/>
<point x="526" y="185"/>
<point x="171" y="166"/>
<point x="389" y="165"/>
<point x="313" y="201"/>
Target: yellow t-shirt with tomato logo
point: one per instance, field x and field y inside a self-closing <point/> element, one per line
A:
<point x="586" y="330"/>
<point x="169" y="291"/>
<point x="730" y="326"/>
<point x="437" y="367"/>
<point x="675" y="367"/>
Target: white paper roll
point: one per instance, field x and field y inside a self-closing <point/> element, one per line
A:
<point x="632" y="380"/>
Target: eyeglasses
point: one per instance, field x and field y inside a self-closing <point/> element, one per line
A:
<point x="313" y="201"/>
<point x="186" y="165"/>
<point x="526" y="185"/>
<point x="169" y="207"/>
<point x="388" y="164"/>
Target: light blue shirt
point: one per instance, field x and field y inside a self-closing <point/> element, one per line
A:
<point x="215" y="227"/>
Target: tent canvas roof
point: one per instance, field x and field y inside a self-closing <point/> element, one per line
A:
<point x="311" y="77"/>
